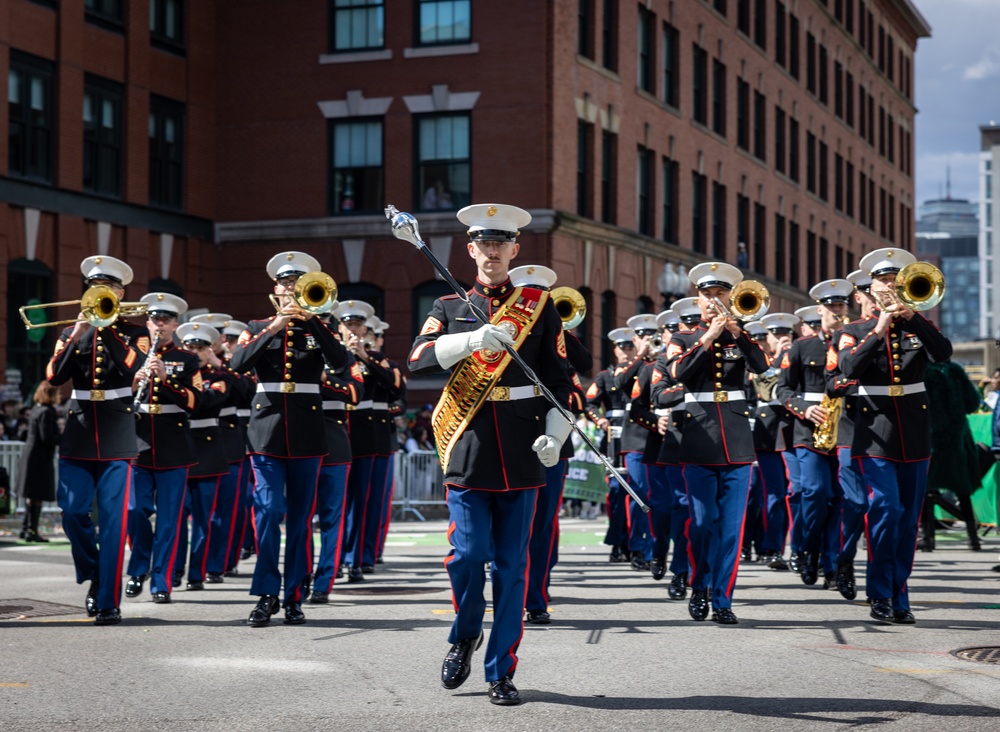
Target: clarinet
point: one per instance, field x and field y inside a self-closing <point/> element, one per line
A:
<point x="144" y="381"/>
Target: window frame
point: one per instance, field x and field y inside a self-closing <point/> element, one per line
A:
<point x="418" y="40"/>
<point x="112" y="19"/>
<point x="104" y="90"/>
<point x="32" y="68"/>
<point x="420" y="186"/>
<point x="332" y="169"/>
<point x="165" y="108"/>
<point x="159" y="38"/>
<point x="334" y="9"/>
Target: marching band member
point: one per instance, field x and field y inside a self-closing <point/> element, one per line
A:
<point x="717" y="444"/>
<point x="397" y="408"/>
<point x="602" y="394"/>
<point x="99" y="438"/>
<point x="287" y="434"/>
<point x="159" y="473"/>
<point x="888" y="357"/>
<point x="801" y="388"/>
<point x="753" y="524"/>
<point x="489" y="418"/>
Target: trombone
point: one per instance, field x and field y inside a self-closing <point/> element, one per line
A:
<point x="570" y="305"/>
<point x="314" y="292"/>
<point x="99" y="305"/>
<point x="919" y="286"/>
<point x="748" y="301"/>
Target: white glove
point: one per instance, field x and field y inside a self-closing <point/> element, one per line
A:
<point x="453" y="347"/>
<point x="557" y="429"/>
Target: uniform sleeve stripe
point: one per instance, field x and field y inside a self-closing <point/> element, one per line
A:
<point x="419" y="349"/>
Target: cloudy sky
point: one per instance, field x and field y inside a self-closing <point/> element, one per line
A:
<point x="957" y="89"/>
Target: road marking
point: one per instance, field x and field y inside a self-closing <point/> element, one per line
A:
<point x="12" y="684"/>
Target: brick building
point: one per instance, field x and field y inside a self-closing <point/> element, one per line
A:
<point x="639" y="134"/>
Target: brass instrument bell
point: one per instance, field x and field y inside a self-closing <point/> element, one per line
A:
<point x="313" y="292"/>
<point x="570" y="305"/>
<point x="99" y="305"/>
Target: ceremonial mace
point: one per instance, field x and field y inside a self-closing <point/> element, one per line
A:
<point x="404" y="226"/>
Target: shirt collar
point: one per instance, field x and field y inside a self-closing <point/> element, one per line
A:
<point x="485" y="290"/>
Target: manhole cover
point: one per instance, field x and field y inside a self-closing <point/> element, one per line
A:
<point x="376" y="590"/>
<point x="12" y="609"/>
<point x="985" y="654"/>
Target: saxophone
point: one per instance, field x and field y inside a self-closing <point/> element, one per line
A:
<point x="825" y="434"/>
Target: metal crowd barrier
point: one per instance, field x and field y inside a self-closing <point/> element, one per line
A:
<point x="419" y="482"/>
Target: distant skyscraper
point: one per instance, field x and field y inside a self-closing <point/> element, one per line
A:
<point x="989" y="159"/>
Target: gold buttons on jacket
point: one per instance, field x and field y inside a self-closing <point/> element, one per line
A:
<point x="156" y="380"/>
<point x="99" y="359"/>
<point x="496" y="303"/>
<point x="896" y="379"/>
<point x="289" y="354"/>
<point x="98" y="370"/>
<point x="288" y="377"/>
<point x="99" y="349"/>
<point x="288" y="364"/>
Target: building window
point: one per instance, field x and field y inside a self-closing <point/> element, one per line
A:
<point x="699" y="206"/>
<point x="779" y="247"/>
<point x="824" y="68"/>
<point x="849" y="190"/>
<point x="779" y="139"/>
<point x="881" y="48"/>
<point x="671" y="65"/>
<point x="810" y="162"/>
<point x="166" y="152"/>
<point x="760" y="23"/>
<point x="881" y="130"/>
<point x="824" y="172"/>
<point x="700" y="85"/>
<point x="793" y="254"/>
<point x="355" y="184"/>
<point x="838" y="182"/>
<point x="644" y="186"/>
<point x="609" y="37"/>
<point x="719" y="97"/>
<point x="862" y="128"/>
<point x="811" y="259"/>
<point x="29" y="109"/>
<point x="104" y="12"/>
<point x="883" y="220"/>
<point x="585" y="29"/>
<point x="838" y="261"/>
<point x="720" y="6"/>
<point x="780" y="51"/>
<point x="423" y="297"/>
<point x="584" y="167"/>
<point x="863" y="201"/>
<point x="609" y="166"/>
<point x="671" y="182"/>
<point x="849" y="16"/>
<point x="444" y="168"/>
<point x="890" y="145"/>
<point x="609" y="320"/>
<point x="793" y="45"/>
<point x="838" y="89"/>
<point x="102" y="136"/>
<point x="742" y="219"/>
<point x="29" y="282"/>
<point x="810" y="63"/>
<point x="892" y="218"/>
<point x="445" y="21"/>
<point x="743" y="16"/>
<point x="357" y="25"/>
<point x="743" y="114"/>
<point x="759" y="237"/>
<point x="369" y="293"/>
<point x="759" y="125"/>
<point x="849" y="99"/>
<point x="861" y="23"/>
<point x="793" y="149"/>
<point x="824" y="259"/>
<point x="718" y="221"/>
<point x="647" y="51"/>
<point x="166" y="21"/>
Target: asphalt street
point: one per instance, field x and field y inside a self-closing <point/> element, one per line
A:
<point x="619" y="654"/>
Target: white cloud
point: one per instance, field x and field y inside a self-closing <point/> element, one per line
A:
<point x="985" y="67"/>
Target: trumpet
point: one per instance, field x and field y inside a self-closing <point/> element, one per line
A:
<point x="570" y="305"/>
<point x="99" y="305"/>
<point x="919" y="286"/>
<point x="748" y="301"/>
<point x="314" y="292"/>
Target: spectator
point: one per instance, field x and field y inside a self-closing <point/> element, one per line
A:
<point x="419" y="441"/>
<point x="36" y="480"/>
<point x="991" y="390"/>
<point x="436" y="197"/>
<point x="742" y="260"/>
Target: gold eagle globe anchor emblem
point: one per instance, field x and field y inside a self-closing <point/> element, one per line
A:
<point x="512" y="330"/>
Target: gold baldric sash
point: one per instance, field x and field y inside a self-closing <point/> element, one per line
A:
<point x="472" y="382"/>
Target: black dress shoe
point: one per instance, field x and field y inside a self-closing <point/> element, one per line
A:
<point x="355" y="574"/>
<point x="638" y="563"/>
<point x="724" y="616"/>
<point x="22" y="534"/>
<point x="246" y="554"/>
<point x="795" y="561"/>
<point x="307" y="587"/>
<point x="294" y="614"/>
<point x="504" y="693"/>
<point x="903" y="617"/>
<point x="778" y="563"/>
<point x="161" y="598"/>
<point x="177" y="581"/>
<point x="616" y="556"/>
<point x="539" y="617"/>
<point x="846" y="585"/>
<point x="368" y="568"/>
<point x="267" y="606"/>
<point x="133" y="588"/>
<point x="34" y="536"/>
<point x="745" y="554"/>
<point x="109" y="616"/>
<point x="194" y="586"/>
<point x="379" y="560"/>
<point x="882" y="610"/>
<point x="829" y="580"/>
<point x="995" y="568"/>
<point x="319" y="598"/>
<point x="456" y="667"/>
<point x="698" y="604"/>
<point x="91" y="602"/>
<point x="678" y="586"/>
<point x="214" y="578"/>
<point x="810" y="568"/>
<point x="340" y="572"/>
<point x="658" y="568"/>
<point x="231" y="572"/>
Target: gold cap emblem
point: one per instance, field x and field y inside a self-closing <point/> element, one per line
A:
<point x="531" y="270"/>
<point x="97" y="260"/>
<point x="889" y="253"/>
<point x="714" y="266"/>
<point x="491" y="211"/>
<point x="195" y="326"/>
<point x="159" y="297"/>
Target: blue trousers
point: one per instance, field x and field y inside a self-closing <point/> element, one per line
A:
<point x="244" y="499"/>
<point x="544" y="536"/>
<point x="794" y="499"/>
<point x="717" y="497"/>
<point x="159" y="492"/>
<point x="331" y="495"/>
<point x="679" y="515"/>
<point x="660" y="500"/>
<point x="617" y="534"/>
<point x="639" y="539"/>
<point x="283" y="486"/>
<point x="853" y="507"/>
<point x="374" y="510"/>
<point x="180" y="554"/>
<point x="490" y="526"/>
<point x="771" y="470"/>
<point x="80" y="482"/>
<point x="390" y="475"/>
<point x="897" y="495"/>
<point x="820" y="508"/>
<point x="224" y="520"/>
<point x="753" y="524"/>
<point x="358" y="480"/>
<point x="204" y="493"/>
<point x="250" y="530"/>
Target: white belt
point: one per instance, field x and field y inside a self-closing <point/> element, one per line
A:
<point x="100" y="395"/>
<point x="714" y="396"/>
<point x="615" y="413"/>
<point x="336" y="406"/>
<point x="366" y="404"/>
<point x="513" y="393"/>
<point x="242" y="412"/>
<point x="813" y="396"/>
<point x="287" y="387"/>
<point x="895" y="390"/>
<point x="662" y="412"/>
<point x="199" y="423"/>
<point x="160" y="409"/>
<point x="227" y="411"/>
<point x="384" y="406"/>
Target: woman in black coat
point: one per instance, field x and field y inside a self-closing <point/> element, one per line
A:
<point x="36" y="480"/>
